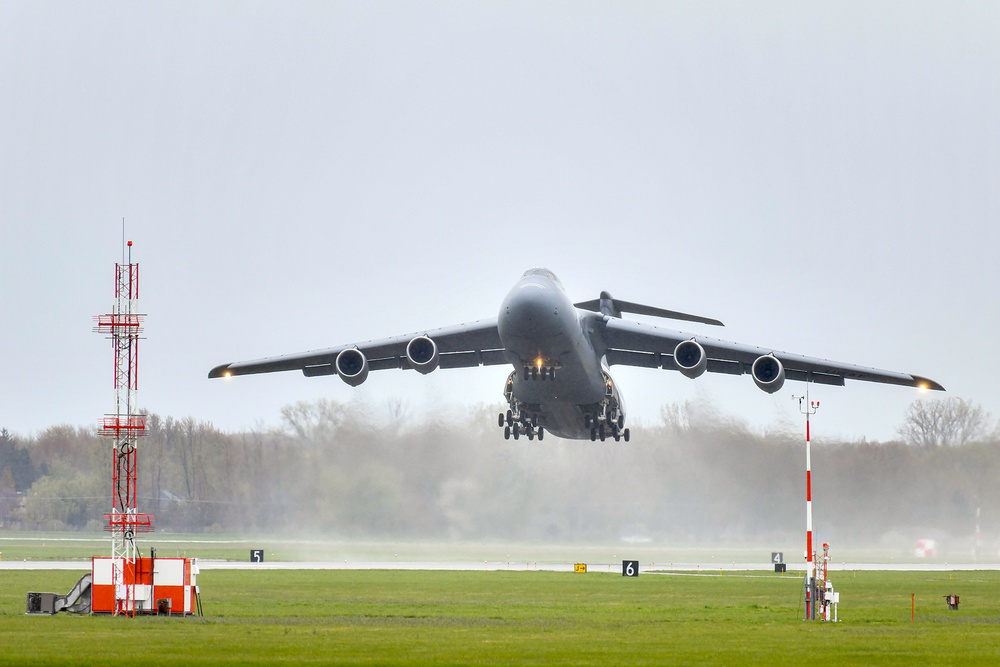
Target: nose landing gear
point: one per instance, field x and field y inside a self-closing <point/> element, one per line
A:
<point x="539" y="372"/>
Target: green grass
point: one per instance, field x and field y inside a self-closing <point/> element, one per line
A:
<point x="510" y="618"/>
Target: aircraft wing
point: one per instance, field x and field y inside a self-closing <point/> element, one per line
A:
<point x="463" y="345"/>
<point x="638" y="344"/>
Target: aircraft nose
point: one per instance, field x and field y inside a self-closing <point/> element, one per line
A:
<point x="530" y="310"/>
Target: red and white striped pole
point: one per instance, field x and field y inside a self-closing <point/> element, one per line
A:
<point x="808" y="408"/>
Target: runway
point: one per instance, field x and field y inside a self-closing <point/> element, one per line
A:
<point x="520" y="566"/>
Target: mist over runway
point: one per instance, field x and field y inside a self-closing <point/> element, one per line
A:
<point x="305" y="554"/>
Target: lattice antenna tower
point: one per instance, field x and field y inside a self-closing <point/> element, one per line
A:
<point x="123" y="327"/>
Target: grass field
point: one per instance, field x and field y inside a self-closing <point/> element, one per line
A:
<point x="380" y="617"/>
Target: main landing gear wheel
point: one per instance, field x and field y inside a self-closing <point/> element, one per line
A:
<point x="620" y="433"/>
<point x="506" y="432"/>
<point x="501" y="420"/>
<point x="541" y="432"/>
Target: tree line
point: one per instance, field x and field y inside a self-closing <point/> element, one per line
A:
<point x="340" y="470"/>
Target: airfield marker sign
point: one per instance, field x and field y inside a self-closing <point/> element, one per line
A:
<point x="630" y="568"/>
<point x="256" y="555"/>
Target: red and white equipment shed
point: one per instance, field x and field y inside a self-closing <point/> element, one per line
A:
<point x="148" y="586"/>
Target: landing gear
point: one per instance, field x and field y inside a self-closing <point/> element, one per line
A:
<point x="606" y="420"/>
<point x="527" y="428"/>
<point x="522" y="418"/>
<point x="539" y="373"/>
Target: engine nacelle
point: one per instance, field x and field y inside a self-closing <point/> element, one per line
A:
<point x="768" y="373"/>
<point x="422" y="353"/>
<point x="352" y="366"/>
<point x="690" y="358"/>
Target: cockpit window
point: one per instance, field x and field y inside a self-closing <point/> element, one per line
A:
<point x="542" y="272"/>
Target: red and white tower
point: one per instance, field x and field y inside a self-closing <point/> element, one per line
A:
<point x="123" y="327"/>
<point x="809" y="408"/>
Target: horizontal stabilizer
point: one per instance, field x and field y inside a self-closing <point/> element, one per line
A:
<point x="615" y="307"/>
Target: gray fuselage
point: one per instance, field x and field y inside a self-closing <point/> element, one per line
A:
<point x="540" y="328"/>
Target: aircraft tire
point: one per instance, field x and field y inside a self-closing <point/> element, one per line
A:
<point x="601" y="430"/>
<point x="541" y="432"/>
<point x="501" y="420"/>
<point x="593" y="434"/>
<point x="506" y="432"/>
<point x="626" y="435"/>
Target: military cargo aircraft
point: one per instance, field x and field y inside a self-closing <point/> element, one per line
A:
<point x="561" y="353"/>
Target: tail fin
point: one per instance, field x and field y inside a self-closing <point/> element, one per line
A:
<point x="612" y="307"/>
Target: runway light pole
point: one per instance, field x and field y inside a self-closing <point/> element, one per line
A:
<point x="809" y="408"/>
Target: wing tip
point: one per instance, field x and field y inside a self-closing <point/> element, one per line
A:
<point x="220" y="371"/>
<point x="926" y="383"/>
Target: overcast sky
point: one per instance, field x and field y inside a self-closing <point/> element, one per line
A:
<point x="823" y="177"/>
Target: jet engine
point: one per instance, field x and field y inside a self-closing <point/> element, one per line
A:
<point x="352" y="366"/>
<point x="768" y="373"/>
<point x="690" y="358"/>
<point x="422" y="353"/>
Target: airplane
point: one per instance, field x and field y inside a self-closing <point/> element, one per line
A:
<point x="561" y="353"/>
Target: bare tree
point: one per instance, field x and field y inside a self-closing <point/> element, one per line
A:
<point x="949" y="421"/>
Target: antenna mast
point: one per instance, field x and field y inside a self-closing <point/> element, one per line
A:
<point x="124" y="326"/>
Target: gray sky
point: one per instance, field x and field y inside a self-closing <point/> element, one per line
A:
<point x="823" y="177"/>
